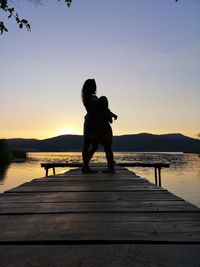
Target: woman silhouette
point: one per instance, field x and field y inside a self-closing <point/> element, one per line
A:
<point x="90" y="141"/>
<point x="97" y="128"/>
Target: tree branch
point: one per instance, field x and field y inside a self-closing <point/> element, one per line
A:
<point x="12" y="14"/>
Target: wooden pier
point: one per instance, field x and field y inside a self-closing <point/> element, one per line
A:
<point x="106" y="220"/>
<point x="156" y="165"/>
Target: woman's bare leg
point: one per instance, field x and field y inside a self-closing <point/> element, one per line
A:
<point x="87" y="153"/>
<point x="92" y="150"/>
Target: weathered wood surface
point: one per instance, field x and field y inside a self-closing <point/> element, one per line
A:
<point x="132" y="255"/>
<point x="90" y="196"/>
<point x="103" y="206"/>
<point x="97" y="220"/>
<point x="115" y="187"/>
<point x="97" y="228"/>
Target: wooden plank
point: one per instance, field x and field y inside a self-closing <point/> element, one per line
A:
<point x="76" y="178"/>
<point x="118" y="172"/>
<point x="96" y="207"/>
<point x="77" y="188"/>
<point x="89" y="196"/>
<point x="144" y="164"/>
<point x="61" y="164"/>
<point x="122" y="164"/>
<point x="118" y="255"/>
<point x="111" y="217"/>
<point x="136" y="227"/>
<point x="98" y="176"/>
<point x="88" y="182"/>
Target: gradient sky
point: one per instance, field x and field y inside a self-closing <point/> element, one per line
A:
<point x="144" y="55"/>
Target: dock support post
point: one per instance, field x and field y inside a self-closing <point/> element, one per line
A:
<point x="159" y="175"/>
<point x="156" y="182"/>
<point x="54" y="172"/>
<point x="46" y="169"/>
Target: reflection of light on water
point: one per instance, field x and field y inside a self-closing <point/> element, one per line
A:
<point x="55" y="157"/>
<point x="182" y="178"/>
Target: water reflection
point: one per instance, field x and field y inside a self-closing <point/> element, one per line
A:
<point x="176" y="160"/>
<point x="55" y="157"/>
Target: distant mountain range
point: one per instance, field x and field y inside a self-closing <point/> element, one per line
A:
<point x="134" y="142"/>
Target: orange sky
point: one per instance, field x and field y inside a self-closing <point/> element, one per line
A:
<point x="144" y="56"/>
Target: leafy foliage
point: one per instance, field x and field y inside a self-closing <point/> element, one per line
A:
<point x="68" y="2"/>
<point x="11" y="13"/>
<point x="22" y="23"/>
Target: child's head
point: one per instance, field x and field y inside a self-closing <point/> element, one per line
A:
<point x="103" y="103"/>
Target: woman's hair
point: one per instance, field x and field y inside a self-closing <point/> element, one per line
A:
<point x="89" y="88"/>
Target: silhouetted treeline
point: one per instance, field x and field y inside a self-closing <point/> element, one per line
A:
<point x="5" y="153"/>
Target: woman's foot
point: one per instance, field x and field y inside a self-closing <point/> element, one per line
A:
<point x="88" y="170"/>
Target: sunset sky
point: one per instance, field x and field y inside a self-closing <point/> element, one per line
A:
<point x="143" y="54"/>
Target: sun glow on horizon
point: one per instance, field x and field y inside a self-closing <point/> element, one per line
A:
<point x="67" y="131"/>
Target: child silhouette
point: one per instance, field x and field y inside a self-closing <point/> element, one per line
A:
<point x="105" y="117"/>
<point x="104" y="110"/>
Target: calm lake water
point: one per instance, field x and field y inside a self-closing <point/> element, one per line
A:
<point x="182" y="178"/>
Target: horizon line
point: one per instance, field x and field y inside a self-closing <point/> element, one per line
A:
<point x="173" y="133"/>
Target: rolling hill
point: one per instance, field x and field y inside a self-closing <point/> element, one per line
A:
<point x="133" y="142"/>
